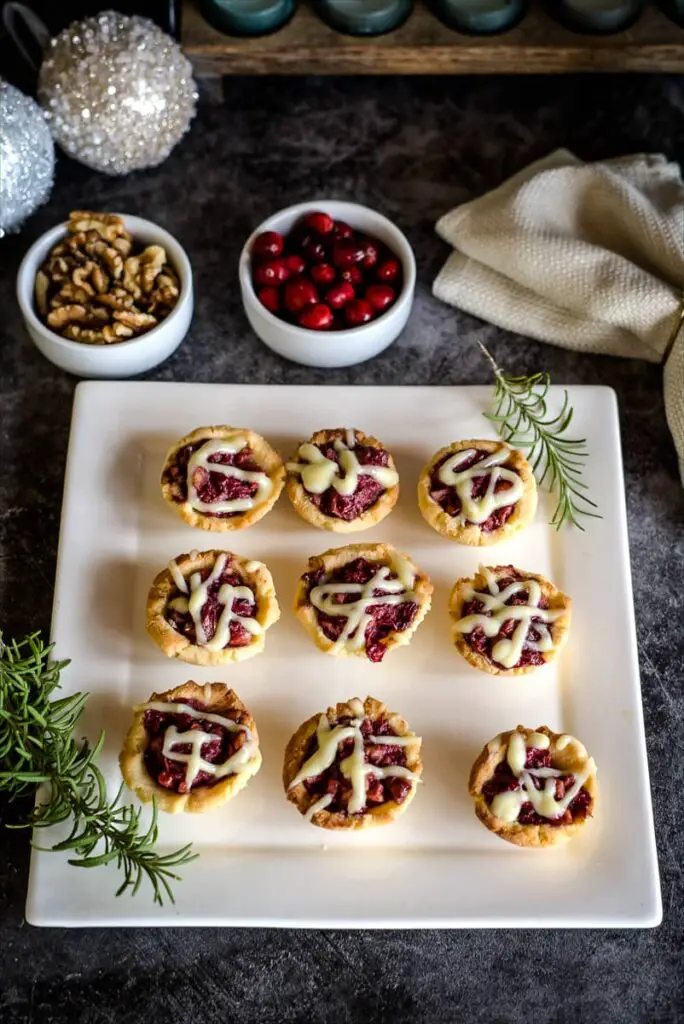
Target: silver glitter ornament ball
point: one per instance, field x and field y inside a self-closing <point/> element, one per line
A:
<point x="27" y="157"/>
<point x="118" y="92"/>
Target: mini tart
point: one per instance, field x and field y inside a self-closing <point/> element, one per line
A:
<point x="343" y="621"/>
<point x="506" y="773"/>
<point x="521" y="644"/>
<point x="338" y="778"/>
<point x="233" y="601"/>
<point x="153" y="763"/>
<point x="461" y="507"/>
<point x="198" y="483"/>
<point x="336" y="459"/>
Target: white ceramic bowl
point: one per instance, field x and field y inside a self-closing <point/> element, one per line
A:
<point x="331" y="348"/>
<point x="124" y="358"/>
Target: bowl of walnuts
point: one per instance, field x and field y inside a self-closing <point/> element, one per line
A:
<point x="106" y="295"/>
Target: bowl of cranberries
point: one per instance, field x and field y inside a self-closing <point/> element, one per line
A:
<point x="328" y="283"/>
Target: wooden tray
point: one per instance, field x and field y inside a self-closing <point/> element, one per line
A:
<point x="424" y="46"/>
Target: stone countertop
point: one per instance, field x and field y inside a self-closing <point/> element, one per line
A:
<point x="413" y="148"/>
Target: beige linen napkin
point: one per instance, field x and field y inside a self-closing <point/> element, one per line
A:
<point x="586" y="256"/>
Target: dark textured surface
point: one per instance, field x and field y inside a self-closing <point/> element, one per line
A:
<point x="412" y="148"/>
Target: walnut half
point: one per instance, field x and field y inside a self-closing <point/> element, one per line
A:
<point x="107" y="225"/>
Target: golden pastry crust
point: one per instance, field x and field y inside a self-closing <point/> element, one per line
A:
<point x="174" y="645"/>
<point x="305" y="507"/>
<point x="266" y="457"/>
<point x="335" y="558"/>
<point x="471" y="534"/>
<point x="557" y="600"/>
<point x="295" y="756"/>
<point x="219" y="700"/>
<point x="571" y="758"/>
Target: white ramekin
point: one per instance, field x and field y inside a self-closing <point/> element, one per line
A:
<point x="124" y="358"/>
<point x="330" y="349"/>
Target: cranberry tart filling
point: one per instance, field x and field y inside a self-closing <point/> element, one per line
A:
<point x="534" y="787"/>
<point x="508" y="622"/>
<point x="190" y="748"/>
<point x="222" y="478"/>
<point x="477" y="492"/>
<point x="342" y="480"/>
<point x="362" y="600"/>
<point x="354" y="766"/>
<point x="211" y="608"/>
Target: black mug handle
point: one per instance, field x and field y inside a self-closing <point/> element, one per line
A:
<point x="27" y="31"/>
<point x="174" y="18"/>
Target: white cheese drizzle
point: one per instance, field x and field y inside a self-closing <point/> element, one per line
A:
<point x="393" y="741"/>
<point x="478" y="510"/>
<point x="197" y="598"/>
<point x="318" y="473"/>
<point x="398" y="591"/>
<point x="239" y="762"/>
<point x="178" y="577"/>
<point x="508" y="652"/>
<point x="200" y="460"/>
<point x="353" y="768"/>
<point x="507" y="806"/>
<point x="320" y="805"/>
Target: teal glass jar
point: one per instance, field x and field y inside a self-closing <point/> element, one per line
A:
<point x="247" y="17"/>
<point x="597" y="17"/>
<point x="479" y="17"/>
<point x="364" y="17"/>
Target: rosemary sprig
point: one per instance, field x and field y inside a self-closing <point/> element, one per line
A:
<point x="37" y="748"/>
<point x="522" y="419"/>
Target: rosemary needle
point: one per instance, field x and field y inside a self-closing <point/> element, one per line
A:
<point x="523" y="420"/>
<point x="37" y="748"/>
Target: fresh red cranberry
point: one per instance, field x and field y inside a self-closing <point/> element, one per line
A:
<point x="358" y="312"/>
<point x="321" y="223"/>
<point x="317" y="317"/>
<point x="346" y="253"/>
<point x="380" y="296"/>
<point x="388" y="270"/>
<point x="323" y="273"/>
<point x="295" y="263"/>
<point x="298" y="238"/>
<point x="299" y="292"/>
<point x="270" y="298"/>
<point x="342" y="230"/>
<point x="270" y="273"/>
<point x="339" y="295"/>
<point x="353" y="275"/>
<point x="372" y="253"/>
<point x="268" y="244"/>
<point x="315" y="252"/>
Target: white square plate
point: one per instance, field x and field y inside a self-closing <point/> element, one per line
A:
<point x="260" y="863"/>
